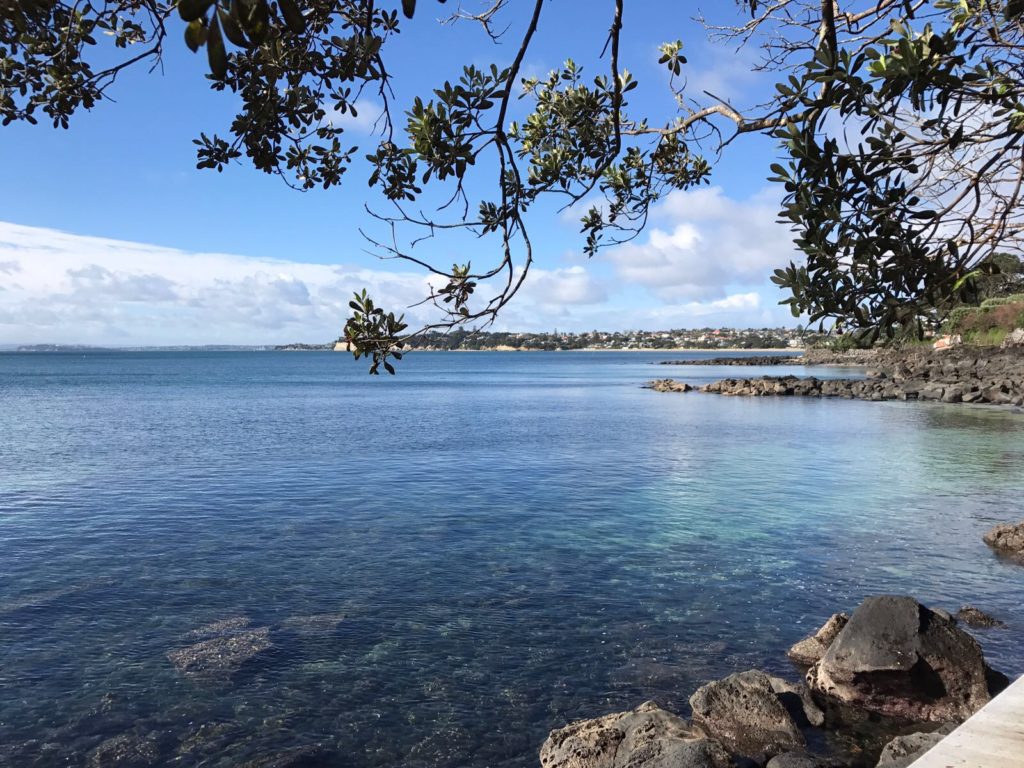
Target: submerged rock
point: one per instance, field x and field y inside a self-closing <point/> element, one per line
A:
<point x="810" y="650"/>
<point x="974" y="617"/>
<point x="222" y="655"/>
<point x="222" y="627"/>
<point x="1008" y="539"/>
<point x="902" y="751"/>
<point x="646" y="737"/>
<point x="754" y="714"/>
<point x="297" y="757"/>
<point x="314" y="624"/>
<point x="897" y="658"/>
<point x="125" y="751"/>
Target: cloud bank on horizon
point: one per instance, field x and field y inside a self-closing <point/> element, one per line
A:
<point x="705" y="262"/>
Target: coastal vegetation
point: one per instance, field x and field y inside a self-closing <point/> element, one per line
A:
<point x="899" y="124"/>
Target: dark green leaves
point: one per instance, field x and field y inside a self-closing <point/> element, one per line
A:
<point x="373" y="333"/>
<point x="293" y="16"/>
<point x="215" y="51"/>
<point x="191" y="10"/>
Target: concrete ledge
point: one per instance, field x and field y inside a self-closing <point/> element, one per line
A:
<point x="993" y="737"/>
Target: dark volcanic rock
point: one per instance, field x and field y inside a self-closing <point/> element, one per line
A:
<point x="748" y="714"/>
<point x="964" y="375"/>
<point x="758" y="360"/>
<point x="811" y="649"/>
<point x="904" y="750"/>
<point x="974" y="617"/>
<point x="899" y="659"/>
<point x="646" y="737"/>
<point x="803" y="760"/>
<point x="1007" y="539"/>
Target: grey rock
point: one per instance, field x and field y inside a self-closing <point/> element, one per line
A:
<point x="646" y="737"/>
<point x="1008" y="539"/>
<point x="811" y="649"/>
<point x="746" y="713"/>
<point x="974" y="617"/>
<point x="897" y="658"/>
<point x="803" y="760"/>
<point x="668" y="385"/>
<point x="1013" y="339"/>
<point x="902" y="751"/>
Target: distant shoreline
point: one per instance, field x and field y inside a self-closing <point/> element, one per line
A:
<point x="667" y="350"/>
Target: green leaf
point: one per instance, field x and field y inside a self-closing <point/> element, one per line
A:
<point x="190" y="10"/>
<point x="408" y="8"/>
<point x="215" y="51"/>
<point x="195" y="35"/>
<point x="293" y="16"/>
<point x="232" y="30"/>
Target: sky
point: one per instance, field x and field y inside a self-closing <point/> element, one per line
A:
<point x="109" y="235"/>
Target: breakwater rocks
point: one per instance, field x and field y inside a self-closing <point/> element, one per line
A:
<point x="908" y="670"/>
<point x="667" y="385"/>
<point x="964" y="375"/>
<point x="757" y="360"/>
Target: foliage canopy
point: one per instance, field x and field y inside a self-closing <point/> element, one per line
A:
<point x="900" y="122"/>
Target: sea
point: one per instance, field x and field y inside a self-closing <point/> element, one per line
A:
<point x="445" y="565"/>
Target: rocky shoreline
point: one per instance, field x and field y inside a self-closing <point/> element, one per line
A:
<point x="889" y="681"/>
<point x="985" y="376"/>
<point x="747" y="360"/>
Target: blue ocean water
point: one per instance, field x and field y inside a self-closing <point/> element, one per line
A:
<point x="516" y="540"/>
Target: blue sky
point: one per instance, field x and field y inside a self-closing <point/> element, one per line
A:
<point x="108" y="234"/>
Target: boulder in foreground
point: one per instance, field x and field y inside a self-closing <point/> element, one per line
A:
<point x="897" y="658"/>
<point x="646" y="737"/>
<point x="902" y="751"/>
<point x="753" y="714"/>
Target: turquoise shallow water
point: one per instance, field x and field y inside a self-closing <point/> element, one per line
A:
<point x="515" y="540"/>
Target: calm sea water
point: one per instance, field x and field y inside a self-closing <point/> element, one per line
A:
<point x="515" y="540"/>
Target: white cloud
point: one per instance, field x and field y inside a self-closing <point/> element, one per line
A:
<point x="94" y="290"/>
<point x="367" y="114"/>
<point x="560" y="287"/>
<point x="703" y="245"/>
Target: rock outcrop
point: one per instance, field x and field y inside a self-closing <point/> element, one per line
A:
<point x="646" y="737"/>
<point x="754" y="714"/>
<point x="902" y="751"/>
<point x="974" y="617"/>
<point x="963" y="375"/>
<point x="897" y="658"/>
<point x="758" y="360"/>
<point x="803" y="760"/>
<point x="1007" y="539"/>
<point x="668" y="385"/>
<point x="810" y="650"/>
<point x="1014" y="339"/>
